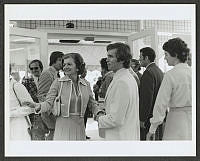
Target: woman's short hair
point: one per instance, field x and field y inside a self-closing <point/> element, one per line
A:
<point x="54" y="56"/>
<point x="36" y="61"/>
<point x="149" y="52"/>
<point x="104" y="64"/>
<point x="123" y="53"/>
<point x="78" y="59"/>
<point x="177" y="47"/>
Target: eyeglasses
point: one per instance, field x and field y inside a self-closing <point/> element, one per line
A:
<point x="36" y="68"/>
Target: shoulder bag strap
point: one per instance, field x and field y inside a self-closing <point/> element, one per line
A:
<point x="26" y="117"/>
<point x="60" y="89"/>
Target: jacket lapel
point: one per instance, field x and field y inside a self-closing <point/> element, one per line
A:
<point x="82" y="85"/>
<point x="109" y="89"/>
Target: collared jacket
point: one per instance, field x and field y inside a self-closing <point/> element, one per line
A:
<point x="86" y="96"/>
<point x="149" y="86"/>
<point x="121" y="121"/>
<point x="45" y="81"/>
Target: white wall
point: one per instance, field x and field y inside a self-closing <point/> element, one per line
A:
<point x="91" y="54"/>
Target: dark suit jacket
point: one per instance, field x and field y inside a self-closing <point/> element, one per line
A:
<point x="149" y="86"/>
<point x="106" y="80"/>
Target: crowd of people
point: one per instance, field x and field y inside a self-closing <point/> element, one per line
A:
<point x="126" y="104"/>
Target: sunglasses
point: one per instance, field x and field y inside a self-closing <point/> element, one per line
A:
<point x="36" y="68"/>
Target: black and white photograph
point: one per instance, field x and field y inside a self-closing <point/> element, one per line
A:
<point x="100" y="80"/>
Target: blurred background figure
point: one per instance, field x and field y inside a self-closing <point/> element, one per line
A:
<point x="16" y="76"/>
<point x="135" y="65"/>
<point x="31" y="84"/>
<point x="107" y="77"/>
<point x="96" y="88"/>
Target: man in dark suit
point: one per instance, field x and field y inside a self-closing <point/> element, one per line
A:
<point x="149" y="86"/>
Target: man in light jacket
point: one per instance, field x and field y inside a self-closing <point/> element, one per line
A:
<point x="46" y="79"/>
<point x="121" y="120"/>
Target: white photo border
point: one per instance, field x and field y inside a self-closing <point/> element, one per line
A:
<point x="110" y="12"/>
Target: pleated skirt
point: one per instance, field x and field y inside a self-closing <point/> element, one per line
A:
<point x="70" y="128"/>
<point x="178" y="125"/>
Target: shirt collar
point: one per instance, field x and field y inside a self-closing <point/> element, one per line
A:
<point x="150" y="64"/>
<point x="120" y="72"/>
<point x="107" y="74"/>
<point x="66" y="78"/>
<point x="35" y="78"/>
<point x="53" y="69"/>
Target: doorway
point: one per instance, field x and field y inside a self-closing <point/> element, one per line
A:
<point x="26" y="45"/>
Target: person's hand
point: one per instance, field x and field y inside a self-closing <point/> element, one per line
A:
<point x="29" y="104"/>
<point x="150" y="136"/>
<point x="99" y="115"/>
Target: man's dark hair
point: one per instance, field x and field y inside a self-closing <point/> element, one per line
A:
<point x="123" y="53"/>
<point x="54" y="56"/>
<point x="104" y="64"/>
<point x="149" y="52"/>
<point x="36" y="61"/>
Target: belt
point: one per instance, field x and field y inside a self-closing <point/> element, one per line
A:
<point x="184" y="108"/>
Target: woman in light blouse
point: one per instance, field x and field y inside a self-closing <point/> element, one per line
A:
<point x="175" y="93"/>
<point x="75" y="97"/>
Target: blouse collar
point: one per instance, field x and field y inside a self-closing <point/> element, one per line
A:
<point x="66" y="78"/>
